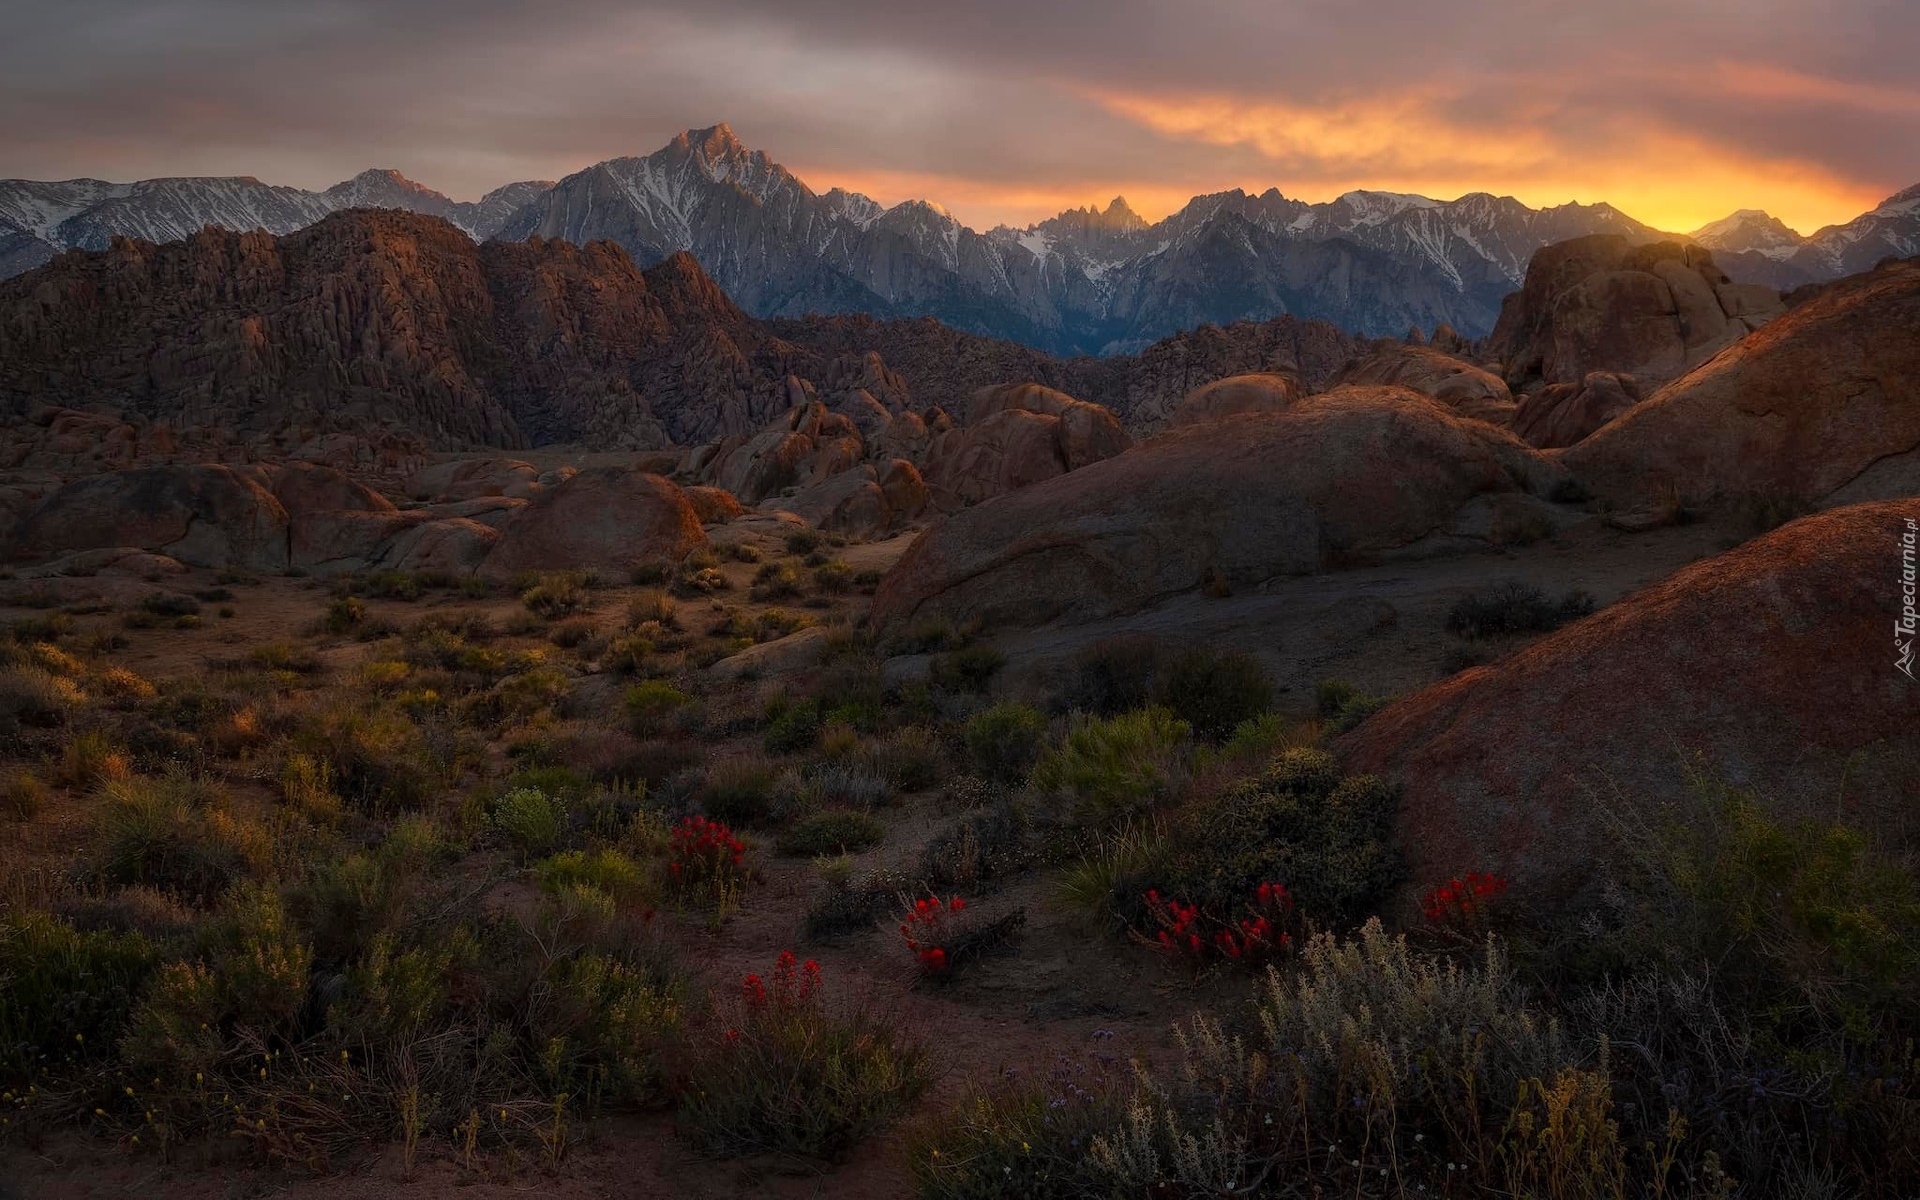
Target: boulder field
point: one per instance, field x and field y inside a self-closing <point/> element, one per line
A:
<point x="1347" y="474"/>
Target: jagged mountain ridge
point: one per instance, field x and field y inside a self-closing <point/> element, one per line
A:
<point x="39" y="220"/>
<point x="1756" y="247"/>
<point x="1085" y="281"/>
<point x="373" y="321"/>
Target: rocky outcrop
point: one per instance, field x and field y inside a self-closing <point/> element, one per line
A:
<point x="1338" y="477"/>
<point x="207" y="516"/>
<point x="1467" y="389"/>
<point x="1561" y="414"/>
<point x="1602" y="303"/>
<point x="472" y="478"/>
<point x="714" y="506"/>
<point x="1770" y="667"/>
<point x="864" y="502"/>
<point x="604" y="518"/>
<point x="1268" y="392"/>
<point x="1016" y="436"/>
<point x="1821" y="405"/>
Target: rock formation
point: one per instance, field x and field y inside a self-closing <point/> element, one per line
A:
<point x="1603" y="303"/>
<point x="1821" y="405"/>
<point x="1339" y="476"/>
<point x="1769" y="665"/>
<point x="1461" y="386"/>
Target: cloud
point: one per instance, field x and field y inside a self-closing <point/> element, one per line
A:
<point x="1676" y="110"/>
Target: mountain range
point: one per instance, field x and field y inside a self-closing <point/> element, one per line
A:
<point x="1088" y="281"/>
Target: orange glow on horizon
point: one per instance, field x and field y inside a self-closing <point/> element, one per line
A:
<point x="1669" y="179"/>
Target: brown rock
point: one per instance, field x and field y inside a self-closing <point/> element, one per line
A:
<point x="306" y="487"/>
<point x="473" y="478"/>
<point x="1822" y="403"/>
<point x="608" y="518"/>
<point x="1771" y="666"/>
<point x="1461" y="386"/>
<point x="714" y="506"/>
<point x="1561" y="414"/>
<point x="1260" y="392"/>
<point x="208" y="516"/>
<point x="1601" y="303"/>
<point x="1349" y="473"/>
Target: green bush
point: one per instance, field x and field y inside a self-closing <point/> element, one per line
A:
<point x="651" y="704"/>
<point x="1113" y="676"/>
<point x="378" y="760"/>
<point x="793" y="1075"/>
<point x="345" y="614"/>
<point x="1342" y="705"/>
<point x="562" y="594"/>
<point x="68" y="996"/>
<point x="776" y="581"/>
<point x="175" y="834"/>
<point x="967" y="670"/>
<point x="836" y="831"/>
<point x="804" y="541"/>
<point x="1514" y="607"/>
<point x="604" y="870"/>
<point x="910" y="758"/>
<point x="1111" y="769"/>
<point x="739" y="791"/>
<point x="794" y="726"/>
<point x="1005" y="741"/>
<point x="531" y="821"/>
<point x="1329" y="839"/>
<point x="1213" y="690"/>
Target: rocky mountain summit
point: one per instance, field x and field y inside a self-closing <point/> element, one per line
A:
<point x="1756" y="247"/>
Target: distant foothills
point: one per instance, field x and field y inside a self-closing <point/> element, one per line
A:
<point x="1084" y="282"/>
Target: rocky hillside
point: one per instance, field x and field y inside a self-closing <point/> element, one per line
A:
<point x="390" y="320"/>
<point x="1755" y="247"/>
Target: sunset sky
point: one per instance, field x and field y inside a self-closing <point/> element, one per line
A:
<point x="1002" y="110"/>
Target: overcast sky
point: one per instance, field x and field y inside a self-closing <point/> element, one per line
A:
<point x="1678" y="111"/>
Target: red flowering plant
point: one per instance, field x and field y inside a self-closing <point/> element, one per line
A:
<point x="1190" y="935"/>
<point x="705" y="858"/>
<point x="789" y="1073"/>
<point x="943" y="934"/>
<point x="1466" y="908"/>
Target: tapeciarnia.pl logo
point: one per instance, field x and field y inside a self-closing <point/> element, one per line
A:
<point x="1903" y="629"/>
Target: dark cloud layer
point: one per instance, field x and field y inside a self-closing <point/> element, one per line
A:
<point x="999" y="108"/>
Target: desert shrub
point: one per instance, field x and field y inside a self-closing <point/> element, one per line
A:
<point x="793" y="726"/>
<point x="650" y="705"/>
<point x="575" y="633"/>
<point x="1409" y="1064"/>
<point x="175" y="833"/>
<point x="124" y="688"/>
<point x="556" y="595"/>
<point x="1005" y="741"/>
<point x="169" y="604"/>
<point x="605" y="870"/>
<point x="1328" y="839"/>
<point x="1514" y="607"/>
<point x="969" y="669"/>
<point x="788" y="1073"/>
<point x="22" y="795"/>
<point x="910" y="758"/>
<point x="1213" y="690"/>
<point x="833" y="578"/>
<point x="842" y="785"/>
<point x="68" y="995"/>
<point x="1812" y="926"/>
<point x="1030" y="1136"/>
<point x="531" y="821"/>
<point x="804" y="541"/>
<point x="651" y="574"/>
<point x="848" y="901"/>
<point x="927" y="636"/>
<point x="991" y="842"/>
<point x="378" y="759"/>
<point x="1113" y="676"/>
<point x="284" y="656"/>
<point x="1108" y="770"/>
<point x="776" y="581"/>
<point x="1342" y="706"/>
<point x="91" y="758"/>
<point x="345" y="614"/>
<point x="254" y="979"/>
<point x="834" y="831"/>
<point x="739" y="791"/>
<point x="306" y="783"/>
<point x="37" y="697"/>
